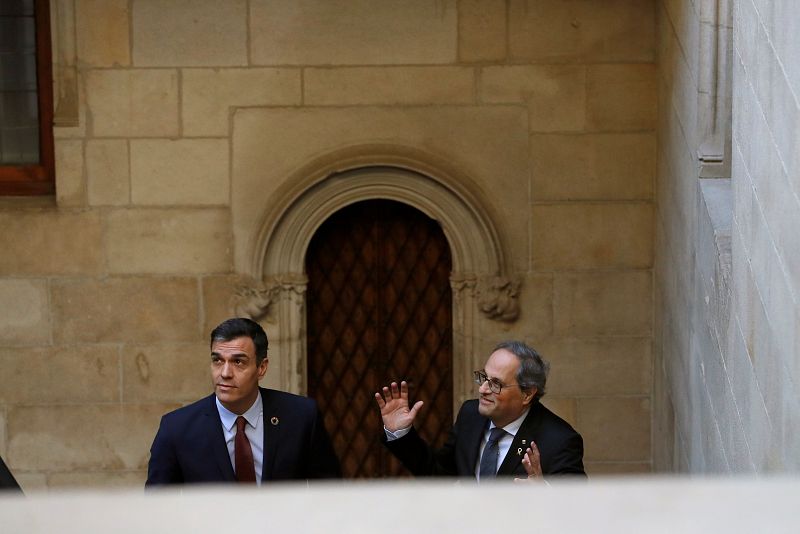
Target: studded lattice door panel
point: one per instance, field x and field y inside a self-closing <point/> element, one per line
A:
<point x="379" y="309"/>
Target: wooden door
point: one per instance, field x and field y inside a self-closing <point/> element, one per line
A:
<point x="379" y="309"/>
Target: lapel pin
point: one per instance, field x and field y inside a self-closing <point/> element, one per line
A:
<point x="524" y="442"/>
<point x="519" y="451"/>
<point x="274" y="421"/>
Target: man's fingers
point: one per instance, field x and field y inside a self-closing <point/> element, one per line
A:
<point x="404" y="390"/>
<point x="415" y="409"/>
<point x="379" y="400"/>
<point x="395" y="391"/>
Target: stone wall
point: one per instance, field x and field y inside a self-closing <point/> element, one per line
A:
<point x="195" y="117"/>
<point x="727" y="250"/>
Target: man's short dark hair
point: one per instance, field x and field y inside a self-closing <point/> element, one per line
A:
<point x="533" y="368"/>
<point x="242" y="327"/>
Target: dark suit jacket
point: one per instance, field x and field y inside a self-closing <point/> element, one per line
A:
<point x="190" y="446"/>
<point x="560" y="446"/>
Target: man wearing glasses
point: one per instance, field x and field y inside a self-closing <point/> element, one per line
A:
<point x="506" y="432"/>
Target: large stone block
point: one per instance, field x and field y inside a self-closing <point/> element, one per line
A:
<point x="133" y="103"/>
<point x="56" y="438"/>
<point x="582" y="30"/>
<point x="125" y="309"/>
<point x="482" y="30"/>
<point x="208" y="95"/>
<point x="218" y="299"/>
<point x="94" y="480"/>
<point x="108" y="172"/>
<point x="189" y="33"/>
<point x="70" y="179"/>
<point x="603" y="469"/>
<point x="24" y="317"/>
<point x="604" y="303"/>
<point x="360" y="32"/>
<point x="74" y="374"/>
<point x="586" y="236"/>
<point x="166" y="372"/>
<point x="168" y="241"/>
<point x="599" y="366"/>
<point x="168" y="172"/>
<point x="3" y="432"/>
<point x="593" y="166"/>
<point x="621" y="97"/>
<point x="50" y="242"/>
<point x="615" y="428"/>
<point x="102" y="31"/>
<point x="555" y="94"/>
<point x="388" y="85"/>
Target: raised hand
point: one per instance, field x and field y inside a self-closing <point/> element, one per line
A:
<point x="393" y="402"/>
<point x="532" y="462"/>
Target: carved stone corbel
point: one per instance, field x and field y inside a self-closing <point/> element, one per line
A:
<point x="498" y="297"/>
<point x="255" y="298"/>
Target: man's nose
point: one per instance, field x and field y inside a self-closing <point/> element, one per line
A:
<point x="227" y="369"/>
<point x="484" y="388"/>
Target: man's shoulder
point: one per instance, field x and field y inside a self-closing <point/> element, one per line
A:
<point x="190" y="410"/>
<point x="553" y="421"/>
<point x="277" y="398"/>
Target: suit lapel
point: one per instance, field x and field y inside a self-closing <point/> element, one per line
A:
<point x="271" y="433"/>
<point x="522" y="440"/>
<point x="219" y="450"/>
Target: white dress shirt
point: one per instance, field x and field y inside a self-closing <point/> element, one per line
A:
<point x="254" y="430"/>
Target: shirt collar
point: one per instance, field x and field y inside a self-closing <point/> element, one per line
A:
<point x="252" y="415"/>
<point x="513" y="427"/>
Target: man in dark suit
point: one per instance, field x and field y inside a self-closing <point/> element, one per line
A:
<point x="505" y="432"/>
<point x="241" y="432"/>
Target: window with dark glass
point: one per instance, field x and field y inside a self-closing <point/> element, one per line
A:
<point x="26" y="138"/>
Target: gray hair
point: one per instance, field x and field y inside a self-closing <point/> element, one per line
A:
<point x="533" y="369"/>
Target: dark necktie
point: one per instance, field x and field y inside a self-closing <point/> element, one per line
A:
<point x="488" y="467"/>
<point x="243" y="454"/>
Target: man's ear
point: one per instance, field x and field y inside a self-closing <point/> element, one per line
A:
<point x="529" y="396"/>
<point x="262" y="368"/>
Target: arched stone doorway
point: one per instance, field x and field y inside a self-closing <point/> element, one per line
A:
<point x="277" y="288"/>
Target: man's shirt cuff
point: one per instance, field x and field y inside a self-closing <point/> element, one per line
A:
<point x="397" y="434"/>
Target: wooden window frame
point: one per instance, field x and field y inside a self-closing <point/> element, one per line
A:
<point x="37" y="179"/>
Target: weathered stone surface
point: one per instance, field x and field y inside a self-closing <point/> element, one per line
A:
<point x="535" y="319"/>
<point x="208" y="95"/>
<point x="24" y="317"/>
<point x="166" y="372"/>
<point x="95" y="480"/>
<point x="598" y="366"/>
<point x="55" y="437"/>
<point x="108" y="172"/>
<point x="320" y="32"/>
<point x="168" y="241"/>
<point x="621" y="97"/>
<point x="125" y="309"/>
<point x="133" y="103"/>
<point x="3" y="432"/>
<point x="582" y="30"/>
<point x="593" y="166"/>
<point x="103" y="38"/>
<point x="179" y="172"/>
<point x="490" y="143"/>
<point x="615" y="428"/>
<point x="218" y="298"/>
<point x="587" y="235"/>
<point x="189" y="33"/>
<point x="50" y="242"/>
<point x="74" y="374"/>
<point x="555" y="94"/>
<point x="606" y="303"/>
<point x="482" y="30"/>
<point x="388" y="85"/>
<point x="70" y="179"/>
<point x="594" y="469"/>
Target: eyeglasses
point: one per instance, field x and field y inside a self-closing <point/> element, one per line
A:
<point x="494" y="384"/>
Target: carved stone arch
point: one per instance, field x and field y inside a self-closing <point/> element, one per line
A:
<point x="479" y="279"/>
